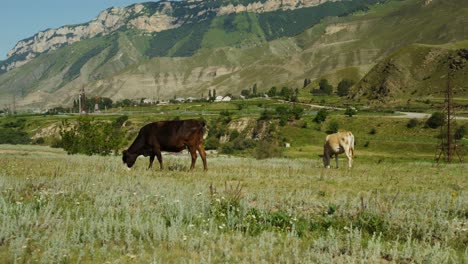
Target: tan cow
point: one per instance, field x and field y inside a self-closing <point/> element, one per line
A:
<point x="341" y="142"/>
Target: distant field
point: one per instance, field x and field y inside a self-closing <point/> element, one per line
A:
<point x="60" y="208"/>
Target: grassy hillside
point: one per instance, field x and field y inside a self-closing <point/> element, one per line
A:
<point x="415" y="72"/>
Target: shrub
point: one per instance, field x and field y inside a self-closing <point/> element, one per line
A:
<point x="436" y="120"/>
<point x="350" y="111"/>
<point x="373" y="131"/>
<point x="227" y="148"/>
<point x="321" y="116"/>
<point x="343" y="87"/>
<point x="325" y="87"/>
<point x="332" y="127"/>
<point x="283" y="121"/>
<point x="412" y="123"/>
<point x="268" y="149"/>
<point x="120" y="121"/>
<point x="39" y="141"/>
<point x="297" y="112"/>
<point x="90" y="137"/>
<point x="234" y="134"/>
<point x="460" y="132"/>
<point x="266" y="115"/>
<point x="13" y="136"/>
<point x="211" y="143"/>
<point x="282" y="110"/>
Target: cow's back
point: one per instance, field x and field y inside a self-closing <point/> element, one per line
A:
<point x="174" y="135"/>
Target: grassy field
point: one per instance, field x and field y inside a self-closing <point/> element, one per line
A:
<point x="61" y="208"/>
<point x="394" y="205"/>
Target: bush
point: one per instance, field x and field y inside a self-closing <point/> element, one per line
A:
<point x="268" y="149"/>
<point x="321" y="116"/>
<point x="373" y="131"/>
<point x="266" y="115"/>
<point x="297" y="112"/>
<point x="460" y="132"/>
<point x="13" y="136"/>
<point x="332" y="127"/>
<point x="39" y="141"/>
<point x="350" y="111"/>
<point x="211" y="143"/>
<point x="90" y="137"/>
<point x="120" y="121"/>
<point x="343" y="87"/>
<point x="325" y="87"/>
<point x="227" y="148"/>
<point x="436" y="120"/>
<point x="234" y="134"/>
<point x="412" y="123"/>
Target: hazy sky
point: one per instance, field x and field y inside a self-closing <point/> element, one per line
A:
<point x="20" y="19"/>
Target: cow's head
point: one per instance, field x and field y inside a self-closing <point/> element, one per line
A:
<point x="128" y="158"/>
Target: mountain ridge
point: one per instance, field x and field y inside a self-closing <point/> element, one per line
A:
<point x="230" y="53"/>
<point x="150" y="17"/>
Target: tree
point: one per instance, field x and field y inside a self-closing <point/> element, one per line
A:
<point x="254" y="90"/>
<point x="297" y="112"/>
<point x="350" y="111"/>
<point x="460" y="132"/>
<point x="272" y="92"/>
<point x="306" y="82"/>
<point x="436" y="120"/>
<point x="325" y="87"/>
<point x="245" y="93"/>
<point x="332" y="127"/>
<point x="413" y="122"/>
<point x="321" y="116"/>
<point x="91" y="137"/>
<point x="344" y="86"/>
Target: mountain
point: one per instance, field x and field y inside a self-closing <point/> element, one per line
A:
<point x="149" y="17"/>
<point x="168" y="49"/>
<point x="414" y="72"/>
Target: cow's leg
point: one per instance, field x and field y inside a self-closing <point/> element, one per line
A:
<point x="336" y="160"/>
<point x="349" y="154"/>
<point x="193" y="153"/>
<point x="151" y="161"/>
<point x="202" y="152"/>
<point x="326" y="157"/>
<point x="157" y="152"/>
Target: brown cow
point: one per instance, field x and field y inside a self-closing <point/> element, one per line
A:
<point x="341" y="142"/>
<point x="171" y="136"/>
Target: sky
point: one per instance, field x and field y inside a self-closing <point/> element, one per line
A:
<point x="20" y="19"/>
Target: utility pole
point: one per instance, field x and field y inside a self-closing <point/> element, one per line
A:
<point x="82" y="101"/>
<point x="448" y="146"/>
<point x="14" y="104"/>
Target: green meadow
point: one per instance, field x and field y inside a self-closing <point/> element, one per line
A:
<point x="73" y="208"/>
<point x="396" y="205"/>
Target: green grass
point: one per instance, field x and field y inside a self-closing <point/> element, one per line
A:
<point x="61" y="208"/>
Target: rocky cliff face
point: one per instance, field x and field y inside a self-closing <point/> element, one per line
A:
<point x="147" y="17"/>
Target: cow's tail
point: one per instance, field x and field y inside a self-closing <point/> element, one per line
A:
<point x="351" y="144"/>
<point x="203" y="128"/>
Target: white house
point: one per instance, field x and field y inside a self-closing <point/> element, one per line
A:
<point x="149" y="101"/>
<point x="226" y="99"/>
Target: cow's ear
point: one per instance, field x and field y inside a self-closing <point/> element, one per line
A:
<point x="124" y="152"/>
